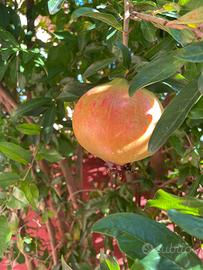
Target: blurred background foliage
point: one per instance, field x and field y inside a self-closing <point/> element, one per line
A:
<point x="50" y="54"/>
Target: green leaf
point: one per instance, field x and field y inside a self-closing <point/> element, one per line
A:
<point x="29" y="129"/>
<point x="190" y="224"/>
<point x="54" y="6"/>
<point x="174" y="115"/>
<point x="72" y="90"/>
<point x="15" y="152"/>
<point x="48" y="121"/>
<point x="31" y="105"/>
<point x="65" y="146"/>
<point x="137" y="265"/>
<point x="95" y="14"/>
<point x="49" y="154"/>
<point x="197" y="110"/>
<point x="3" y="68"/>
<point x="149" y="262"/>
<point x="191" y="53"/>
<point x="64" y="264"/>
<point x="183" y="2"/>
<point x="166" y="201"/>
<point x="183" y="36"/>
<point x="5" y="234"/>
<point x="195" y="185"/>
<point x="148" y="31"/>
<point x="7" y="178"/>
<point x="8" y="38"/>
<point x="108" y="262"/>
<point x="4" y="16"/>
<point x="193" y="17"/>
<point x="200" y="83"/>
<point x="137" y="235"/>
<point x="98" y="65"/>
<point x="126" y="54"/>
<point x="31" y="192"/>
<point x="155" y="71"/>
<point x="17" y="199"/>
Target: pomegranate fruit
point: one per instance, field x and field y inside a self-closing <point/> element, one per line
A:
<point x="110" y="124"/>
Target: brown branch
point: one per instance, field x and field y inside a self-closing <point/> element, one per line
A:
<point x="168" y="182"/>
<point x="126" y="20"/>
<point x="70" y="183"/>
<point x="9" y="103"/>
<point x="52" y="239"/>
<point x="6" y="100"/>
<point x="157" y="20"/>
<point x="79" y="169"/>
<point x="160" y="22"/>
<point x="30" y="21"/>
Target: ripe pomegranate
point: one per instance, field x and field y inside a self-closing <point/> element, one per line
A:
<point x="110" y="124"/>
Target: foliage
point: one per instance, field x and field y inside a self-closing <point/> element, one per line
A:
<point x="52" y="52"/>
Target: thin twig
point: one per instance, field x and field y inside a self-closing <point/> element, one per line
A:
<point x="126" y="20"/>
<point x="168" y="182"/>
<point x="85" y="190"/>
<point x="32" y="162"/>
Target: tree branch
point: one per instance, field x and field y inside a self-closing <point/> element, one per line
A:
<point x="6" y="100"/>
<point x="70" y="183"/>
<point x="126" y="20"/>
<point x="160" y="22"/>
<point x="52" y="239"/>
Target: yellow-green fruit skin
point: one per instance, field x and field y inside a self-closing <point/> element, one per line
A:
<point x="113" y="126"/>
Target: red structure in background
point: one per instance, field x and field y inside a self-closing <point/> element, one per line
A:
<point x="95" y="176"/>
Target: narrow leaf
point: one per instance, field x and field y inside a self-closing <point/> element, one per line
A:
<point x="174" y="115"/>
<point x="5" y="234"/>
<point x="126" y="54"/>
<point x="72" y="90"/>
<point x="136" y="233"/>
<point x="166" y="201"/>
<point x="54" y="6"/>
<point x="155" y="71"/>
<point x="49" y="154"/>
<point x="200" y="83"/>
<point x="191" y="53"/>
<point x="190" y="224"/>
<point x="183" y="36"/>
<point x="108" y="263"/>
<point x="193" y="17"/>
<point x="3" y="68"/>
<point x="29" y="129"/>
<point x="98" y="65"/>
<point x="15" y="152"/>
<point x="48" y="121"/>
<point x="7" y="37"/>
<point x="64" y="264"/>
<point x="95" y="14"/>
<point x="197" y="110"/>
<point x="149" y="262"/>
<point x="31" y="192"/>
<point x="8" y="178"/>
<point x="28" y="107"/>
<point x="17" y="199"/>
